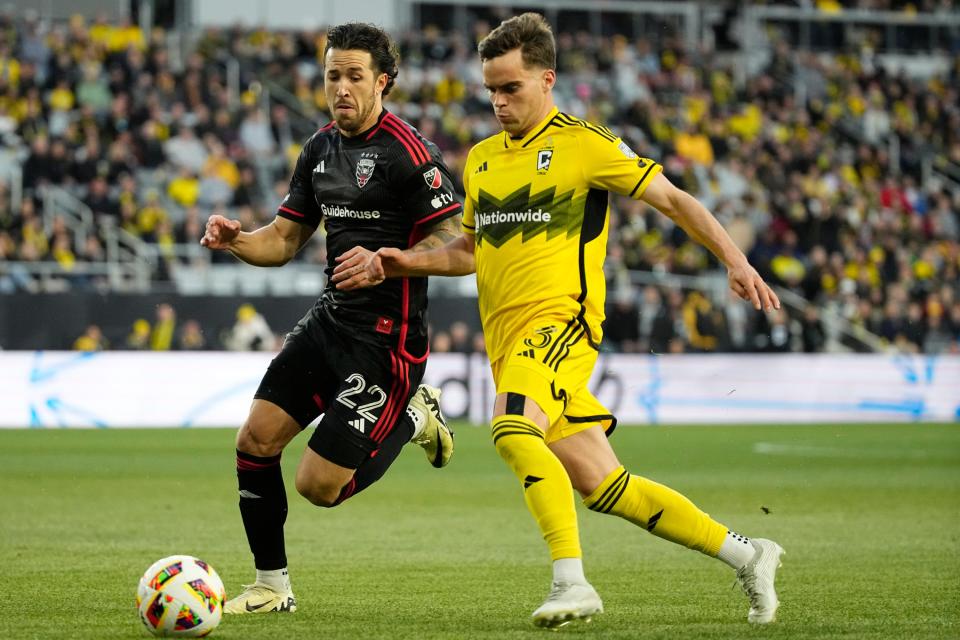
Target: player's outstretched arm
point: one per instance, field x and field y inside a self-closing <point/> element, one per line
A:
<point x="700" y="225"/>
<point x="443" y="252"/>
<point x="269" y="246"/>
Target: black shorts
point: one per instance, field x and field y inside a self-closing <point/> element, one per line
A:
<point x="361" y="388"/>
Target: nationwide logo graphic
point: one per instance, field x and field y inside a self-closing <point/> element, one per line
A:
<point x="528" y="215"/>
<point x="365" y="166"/>
<point x="433" y="178"/>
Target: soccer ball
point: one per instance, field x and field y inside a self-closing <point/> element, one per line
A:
<point x="180" y="596"/>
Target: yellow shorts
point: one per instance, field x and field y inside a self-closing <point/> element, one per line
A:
<point x="552" y="364"/>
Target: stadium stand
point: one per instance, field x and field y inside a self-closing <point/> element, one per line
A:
<point x="834" y="161"/>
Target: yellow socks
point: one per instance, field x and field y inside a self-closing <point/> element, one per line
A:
<point x="658" y="509"/>
<point x="546" y="486"/>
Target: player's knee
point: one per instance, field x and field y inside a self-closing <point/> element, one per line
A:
<point x="317" y="493"/>
<point x="257" y="440"/>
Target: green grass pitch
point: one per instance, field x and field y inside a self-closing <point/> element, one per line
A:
<point x="869" y="516"/>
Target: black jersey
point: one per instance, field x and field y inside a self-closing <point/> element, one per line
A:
<point x="377" y="189"/>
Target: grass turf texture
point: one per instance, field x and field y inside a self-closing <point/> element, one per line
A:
<point x="869" y="516"/>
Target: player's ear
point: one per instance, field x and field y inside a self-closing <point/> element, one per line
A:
<point x="549" y="79"/>
<point x="381" y="83"/>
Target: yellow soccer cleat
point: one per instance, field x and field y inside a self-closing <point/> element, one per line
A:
<point x="259" y="598"/>
<point x="434" y="435"/>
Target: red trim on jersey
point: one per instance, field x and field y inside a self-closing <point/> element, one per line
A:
<point x="419" y="151"/>
<point x="438" y="213"/>
<point x="409" y="131"/>
<point x="318" y="400"/>
<point x="328" y="126"/>
<point x="376" y="128"/>
<point x="405" y="311"/>
<point x="291" y="211"/>
<point x="396" y="134"/>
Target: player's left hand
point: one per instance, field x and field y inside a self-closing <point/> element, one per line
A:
<point x="358" y="268"/>
<point x="747" y="283"/>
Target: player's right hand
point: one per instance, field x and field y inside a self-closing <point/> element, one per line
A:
<point x="220" y="232"/>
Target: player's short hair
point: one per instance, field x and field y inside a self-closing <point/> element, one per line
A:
<point x="530" y="32"/>
<point x="372" y="39"/>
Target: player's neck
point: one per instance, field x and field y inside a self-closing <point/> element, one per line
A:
<point x="547" y="108"/>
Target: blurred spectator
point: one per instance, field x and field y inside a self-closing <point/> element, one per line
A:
<point x="700" y="322"/>
<point x="812" y="335"/>
<point x="190" y="337"/>
<point x="161" y="338"/>
<point x="441" y="342"/>
<point x="184" y="151"/>
<point x="460" y="339"/>
<point x="479" y="343"/>
<point x="250" y="332"/>
<point x="139" y="337"/>
<point x="91" y="340"/>
<point x="622" y="326"/>
<point x="656" y="322"/>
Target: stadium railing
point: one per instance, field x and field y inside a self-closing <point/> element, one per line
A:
<point x="897" y="25"/>
<point x="127" y="265"/>
<point x="842" y="335"/>
<point x="687" y="15"/>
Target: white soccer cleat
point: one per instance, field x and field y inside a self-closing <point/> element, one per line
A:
<point x="756" y="578"/>
<point x="567" y="602"/>
<point x="259" y="598"/>
<point x="436" y="437"/>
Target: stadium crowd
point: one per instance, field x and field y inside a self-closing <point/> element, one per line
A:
<point x="154" y="141"/>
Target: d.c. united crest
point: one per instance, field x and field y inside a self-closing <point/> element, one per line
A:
<point x="365" y="167"/>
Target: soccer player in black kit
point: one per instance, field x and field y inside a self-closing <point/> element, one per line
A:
<point x="357" y="357"/>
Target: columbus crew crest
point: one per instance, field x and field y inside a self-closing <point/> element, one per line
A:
<point x="365" y="167"/>
<point x="433" y="178"/>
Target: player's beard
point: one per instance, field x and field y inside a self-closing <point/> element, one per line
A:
<point x="353" y="124"/>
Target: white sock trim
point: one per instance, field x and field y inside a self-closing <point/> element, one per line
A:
<point x="419" y="422"/>
<point x="569" y="570"/>
<point x="736" y="550"/>
<point x="276" y="579"/>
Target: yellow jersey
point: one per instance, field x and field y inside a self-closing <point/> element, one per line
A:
<point x="537" y="208"/>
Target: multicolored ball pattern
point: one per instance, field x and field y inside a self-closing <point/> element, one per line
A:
<point x="180" y="596"/>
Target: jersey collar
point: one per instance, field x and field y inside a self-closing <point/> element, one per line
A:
<point x="510" y="143"/>
<point x="365" y="135"/>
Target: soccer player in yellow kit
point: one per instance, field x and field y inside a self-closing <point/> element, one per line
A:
<point x="535" y="230"/>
